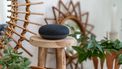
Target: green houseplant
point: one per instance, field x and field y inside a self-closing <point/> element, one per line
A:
<point x="90" y="48"/>
<point x="100" y="49"/>
<point x="11" y="59"/>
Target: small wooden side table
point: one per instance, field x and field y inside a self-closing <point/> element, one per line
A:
<point x="58" y="45"/>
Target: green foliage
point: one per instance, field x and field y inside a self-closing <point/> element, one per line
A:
<point x="13" y="60"/>
<point x="120" y="59"/>
<point x="95" y="48"/>
<point x="110" y="45"/>
<point x="89" y="47"/>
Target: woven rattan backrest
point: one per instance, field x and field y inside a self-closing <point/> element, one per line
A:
<point x="12" y="24"/>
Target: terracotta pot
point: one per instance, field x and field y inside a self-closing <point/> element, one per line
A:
<point x="95" y="62"/>
<point x="110" y="61"/>
<point x="34" y="67"/>
<point x="0" y="66"/>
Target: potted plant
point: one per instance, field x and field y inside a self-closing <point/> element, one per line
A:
<point x="90" y="48"/>
<point x="113" y="52"/>
<point x="104" y="49"/>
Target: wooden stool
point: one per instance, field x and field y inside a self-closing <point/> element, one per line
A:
<point x="58" y="45"/>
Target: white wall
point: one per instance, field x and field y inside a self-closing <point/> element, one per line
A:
<point x="119" y="15"/>
<point x="100" y="17"/>
<point x="2" y="11"/>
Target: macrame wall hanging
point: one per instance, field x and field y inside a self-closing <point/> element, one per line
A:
<point x="12" y="24"/>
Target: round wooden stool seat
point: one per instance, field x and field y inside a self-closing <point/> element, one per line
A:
<point x="40" y="42"/>
<point x="58" y="45"/>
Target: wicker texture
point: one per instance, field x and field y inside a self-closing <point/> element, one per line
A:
<point x="12" y="24"/>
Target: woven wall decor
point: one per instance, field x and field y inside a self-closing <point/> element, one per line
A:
<point x="12" y="24"/>
<point x="73" y="12"/>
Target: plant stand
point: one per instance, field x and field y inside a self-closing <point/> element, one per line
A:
<point x="58" y="45"/>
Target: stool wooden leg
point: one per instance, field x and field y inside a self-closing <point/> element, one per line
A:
<point x="42" y="57"/>
<point x="60" y="59"/>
